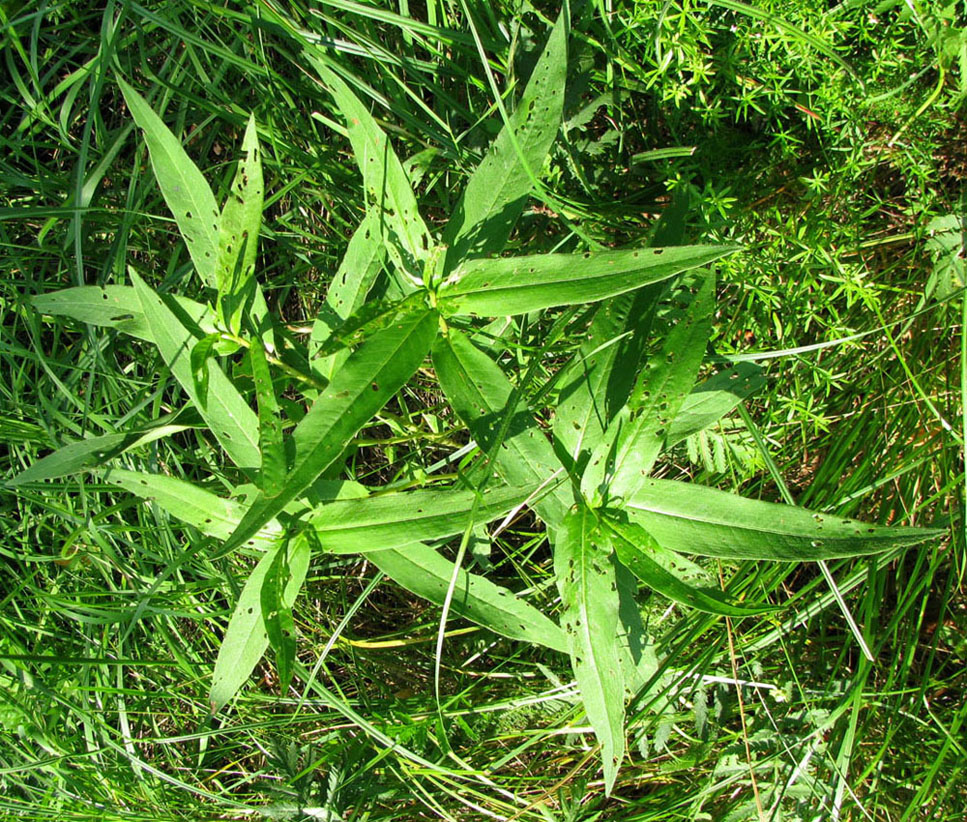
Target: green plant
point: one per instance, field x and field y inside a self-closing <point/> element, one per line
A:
<point x="625" y="395"/>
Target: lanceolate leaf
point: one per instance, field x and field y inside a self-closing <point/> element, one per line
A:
<point x="666" y="379"/>
<point x="585" y="574"/>
<point x="395" y="520"/>
<point x="369" y="378"/>
<point x="214" y="516"/>
<point x="238" y="235"/>
<point x="421" y="570"/>
<point x="94" y="451"/>
<point x="635" y="549"/>
<point x="480" y="392"/>
<point x="347" y="292"/>
<point x="247" y="638"/>
<point x="517" y="285"/>
<point x="117" y="306"/>
<point x="386" y="183"/>
<point x="228" y="415"/>
<point x="695" y="519"/>
<point x="713" y="399"/>
<point x="597" y="382"/>
<point x="270" y="423"/>
<point x="497" y="190"/>
<point x="277" y="605"/>
<point x="184" y="187"/>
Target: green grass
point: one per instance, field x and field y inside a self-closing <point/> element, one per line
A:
<point x="825" y="142"/>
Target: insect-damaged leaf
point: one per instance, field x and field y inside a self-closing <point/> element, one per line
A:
<point x="587" y="582"/>
<point x="518" y="285"/>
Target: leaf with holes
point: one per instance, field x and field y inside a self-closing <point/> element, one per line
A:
<point x="518" y="285"/>
<point x="695" y="519"/>
<point x="585" y="571"/>
<point x="497" y="190"/>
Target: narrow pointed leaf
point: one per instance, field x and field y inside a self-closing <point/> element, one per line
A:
<point x="183" y="186"/>
<point x="629" y="448"/>
<point x="385" y="181"/>
<point x="228" y="415"/>
<point x="480" y="392"/>
<point x="395" y="520"/>
<point x="270" y="423"/>
<point x="497" y="191"/>
<point x="116" y="306"/>
<point x="599" y="379"/>
<point x="212" y="515"/>
<point x="586" y="580"/>
<point x="347" y="292"/>
<point x="517" y="285"/>
<point x="421" y="570"/>
<point x="246" y="638"/>
<point x="713" y="399"/>
<point x="92" y="452"/>
<point x="695" y="519"/>
<point x="238" y="232"/>
<point x="277" y="606"/>
<point x="201" y="353"/>
<point x="635" y="548"/>
<point x="369" y="378"/>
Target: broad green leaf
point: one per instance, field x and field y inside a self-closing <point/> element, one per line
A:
<point x="246" y="639"/>
<point x="270" y="423"/>
<point x="517" y="285"/>
<point x="585" y="572"/>
<point x="370" y="377"/>
<point x="598" y="380"/>
<point x="395" y="520"/>
<point x="633" y="441"/>
<point x="214" y="516"/>
<point x="277" y="608"/>
<point x="94" y="451"/>
<point x="713" y="399"/>
<point x="116" y="306"/>
<point x="636" y="550"/>
<point x="183" y="186"/>
<point x="347" y="292"/>
<point x="387" y="186"/>
<point x="695" y="519"/>
<point x="238" y="234"/>
<point x="479" y="392"/>
<point x="226" y="412"/>
<point x="497" y="191"/>
<point x="421" y="570"/>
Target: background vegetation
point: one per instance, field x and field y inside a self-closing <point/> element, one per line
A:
<point x="829" y="141"/>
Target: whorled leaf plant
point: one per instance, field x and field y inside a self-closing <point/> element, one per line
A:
<point x="628" y="393"/>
